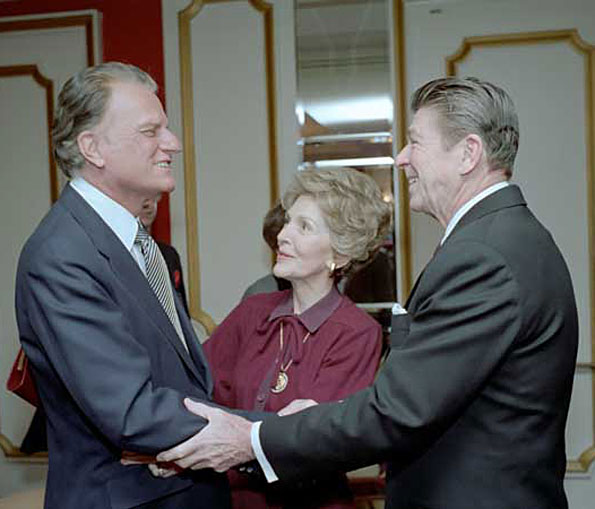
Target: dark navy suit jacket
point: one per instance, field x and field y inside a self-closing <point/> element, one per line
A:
<point x="109" y="366"/>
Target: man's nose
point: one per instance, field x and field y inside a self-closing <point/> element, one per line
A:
<point x="403" y="157"/>
<point x="170" y="142"/>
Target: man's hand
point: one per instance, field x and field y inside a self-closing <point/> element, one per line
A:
<point x="297" y="405"/>
<point x="223" y="443"/>
<point x="158" y="470"/>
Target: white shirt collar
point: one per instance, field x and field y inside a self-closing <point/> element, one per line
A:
<point x="467" y="206"/>
<point x="122" y="222"/>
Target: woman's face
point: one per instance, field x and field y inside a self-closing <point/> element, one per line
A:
<point x="304" y="243"/>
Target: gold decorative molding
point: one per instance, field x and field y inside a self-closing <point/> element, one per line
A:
<point x="185" y="17"/>
<point x="315" y="4"/>
<point x="48" y="86"/>
<point x="521" y="38"/>
<point x="572" y="37"/>
<point x="10" y="451"/>
<point x="13" y="453"/>
<point x="586" y="365"/>
<point x="400" y="116"/>
<point x="84" y="20"/>
<point x="582" y="464"/>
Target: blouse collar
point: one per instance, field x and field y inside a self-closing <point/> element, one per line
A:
<point x="315" y="315"/>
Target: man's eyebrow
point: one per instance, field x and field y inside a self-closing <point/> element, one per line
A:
<point x="149" y="124"/>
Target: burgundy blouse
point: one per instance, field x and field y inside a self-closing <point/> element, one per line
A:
<point x="339" y="356"/>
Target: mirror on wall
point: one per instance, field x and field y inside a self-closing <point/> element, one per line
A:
<point x="345" y="111"/>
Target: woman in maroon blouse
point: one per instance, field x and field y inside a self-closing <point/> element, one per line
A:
<point x="309" y="341"/>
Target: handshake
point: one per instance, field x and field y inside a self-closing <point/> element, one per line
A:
<point x="225" y="442"/>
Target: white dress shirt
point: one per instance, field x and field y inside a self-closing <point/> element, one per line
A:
<point x="120" y="221"/>
<point x="467" y="207"/>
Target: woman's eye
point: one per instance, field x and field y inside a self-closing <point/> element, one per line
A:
<point x="305" y="226"/>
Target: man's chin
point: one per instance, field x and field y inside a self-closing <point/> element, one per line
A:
<point x="415" y="205"/>
<point x="278" y="271"/>
<point x="168" y="186"/>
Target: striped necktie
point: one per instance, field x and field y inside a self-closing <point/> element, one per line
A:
<point x="157" y="275"/>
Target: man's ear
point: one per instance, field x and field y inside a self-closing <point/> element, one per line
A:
<point x="88" y="147"/>
<point x="472" y="153"/>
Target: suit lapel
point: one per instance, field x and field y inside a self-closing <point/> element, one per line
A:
<point x="194" y="347"/>
<point x="510" y="196"/>
<point x="127" y="271"/>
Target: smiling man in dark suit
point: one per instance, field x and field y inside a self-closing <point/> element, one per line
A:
<point x="112" y="349"/>
<point x="470" y="406"/>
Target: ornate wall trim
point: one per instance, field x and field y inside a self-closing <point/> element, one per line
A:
<point x="48" y="85"/>
<point x="572" y="37"/>
<point x="188" y="136"/>
<point x="86" y="21"/>
<point x="10" y="451"/>
<point x="400" y="140"/>
<point x="83" y="20"/>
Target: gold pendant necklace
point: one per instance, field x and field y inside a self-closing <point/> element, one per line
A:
<point x="283" y="377"/>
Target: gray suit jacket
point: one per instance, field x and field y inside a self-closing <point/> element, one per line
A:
<point x="471" y="404"/>
<point x="109" y="367"/>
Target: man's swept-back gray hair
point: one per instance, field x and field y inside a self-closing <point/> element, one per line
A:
<point x="472" y="106"/>
<point x="81" y="105"/>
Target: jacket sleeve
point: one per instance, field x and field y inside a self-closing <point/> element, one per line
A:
<point x="93" y="354"/>
<point x="465" y="317"/>
<point x="221" y="350"/>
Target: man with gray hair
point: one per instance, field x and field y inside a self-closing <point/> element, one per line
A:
<point x="470" y="406"/>
<point x="111" y="348"/>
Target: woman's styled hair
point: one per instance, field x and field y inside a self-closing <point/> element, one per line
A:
<point x="352" y="205"/>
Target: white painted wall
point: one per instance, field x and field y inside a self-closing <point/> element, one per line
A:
<point x="25" y="198"/>
<point x="231" y="139"/>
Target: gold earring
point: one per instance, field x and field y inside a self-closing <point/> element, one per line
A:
<point x="331" y="268"/>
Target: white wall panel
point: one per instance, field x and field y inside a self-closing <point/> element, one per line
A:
<point x="24" y="179"/>
<point x="25" y="188"/>
<point x="547" y="82"/>
<point x="232" y="140"/>
<point x="232" y="150"/>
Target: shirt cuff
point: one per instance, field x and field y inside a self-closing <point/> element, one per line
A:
<point x="267" y="469"/>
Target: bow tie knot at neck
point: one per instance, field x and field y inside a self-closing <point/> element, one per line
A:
<point x="295" y="339"/>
